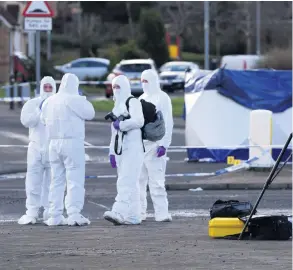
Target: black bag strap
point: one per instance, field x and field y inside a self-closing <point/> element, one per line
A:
<point x="127" y="106"/>
<point x="116" y="144"/>
<point x="127" y="102"/>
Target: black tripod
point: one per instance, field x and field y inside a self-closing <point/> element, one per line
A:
<point x="270" y="179"/>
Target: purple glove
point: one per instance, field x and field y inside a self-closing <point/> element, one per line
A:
<point x="113" y="161"/>
<point x="161" y="151"/>
<point x="116" y="124"/>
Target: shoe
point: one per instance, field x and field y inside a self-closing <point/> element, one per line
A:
<point x="112" y="217"/>
<point x="57" y="221"/>
<point x="77" y="220"/>
<point x="117" y="219"/>
<point x="26" y="220"/>
<point x="132" y="221"/>
<point x="143" y="217"/>
<point x="165" y="219"/>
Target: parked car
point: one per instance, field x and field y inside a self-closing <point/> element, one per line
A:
<point x="132" y="69"/>
<point x="86" y="67"/>
<point x="172" y="74"/>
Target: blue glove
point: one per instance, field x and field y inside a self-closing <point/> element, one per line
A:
<point x="161" y="151"/>
<point x="42" y="104"/>
<point x="116" y="124"/>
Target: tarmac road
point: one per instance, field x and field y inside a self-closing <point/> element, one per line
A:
<point x="182" y="244"/>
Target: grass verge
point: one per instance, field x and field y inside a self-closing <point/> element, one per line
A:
<point x="2" y="93"/>
<point x="107" y="106"/>
<point x="92" y="90"/>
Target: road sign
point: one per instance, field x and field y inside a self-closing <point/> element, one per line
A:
<point x="41" y="24"/>
<point x="38" y="17"/>
<point x="38" y="9"/>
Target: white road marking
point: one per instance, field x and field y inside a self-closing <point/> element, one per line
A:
<point x="25" y="139"/>
<point x="180" y="131"/>
<point x="8" y="220"/>
<point x="87" y="143"/>
<point x="13" y="135"/>
<point x="175" y="130"/>
<point x="100" y="205"/>
<point x="188" y="213"/>
<point x="92" y="123"/>
<point x="205" y="212"/>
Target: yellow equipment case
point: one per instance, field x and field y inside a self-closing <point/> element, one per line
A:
<point x="221" y="227"/>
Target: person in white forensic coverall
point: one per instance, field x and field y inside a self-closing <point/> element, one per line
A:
<point x="126" y="209"/>
<point x="38" y="174"/>
<point x="64" y="115"/>
<point x="154" y="167"/>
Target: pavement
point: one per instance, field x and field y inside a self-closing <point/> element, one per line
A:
<point x="182" y="244"/>
<point x="13" y="159"/>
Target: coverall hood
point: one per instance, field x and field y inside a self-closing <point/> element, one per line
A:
<point x="47" y="80"/>
<point x="69" y="84"/>
<point x="152" y="86"/>
<point x="124" y="91"/>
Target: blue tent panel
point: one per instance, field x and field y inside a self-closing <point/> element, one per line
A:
<point x="253" y="89"/>
<point x="220" y="155"/>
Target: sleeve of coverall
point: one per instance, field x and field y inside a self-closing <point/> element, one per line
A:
<point x="136" y="120"/>
<point x="30" y="114"/>
<point x="168" y="118"/>
<point x="112" y="142"/>
<point x="82" y="108"/>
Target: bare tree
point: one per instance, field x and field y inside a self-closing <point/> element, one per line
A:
<point x="90" y="30"/>
<point x="180" y="13"/>
<point x="130" y="22"/>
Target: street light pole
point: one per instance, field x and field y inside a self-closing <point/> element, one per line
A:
<point x="258" y="36"/>
<point x="206" y="35"/>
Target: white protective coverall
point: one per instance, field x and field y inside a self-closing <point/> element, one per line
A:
<point x="38" y="174"/>
<point x="126" y="209"/>
<point x="64" y="115"/>
<point x="154" y="168"/>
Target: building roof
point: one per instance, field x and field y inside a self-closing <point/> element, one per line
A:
<point x="6" y="18"/>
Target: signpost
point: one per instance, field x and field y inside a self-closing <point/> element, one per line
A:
<point x="38" y="17"/>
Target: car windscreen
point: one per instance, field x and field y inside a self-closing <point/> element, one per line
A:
<point x="179" y="68"/>
<point x="134" y="67"/>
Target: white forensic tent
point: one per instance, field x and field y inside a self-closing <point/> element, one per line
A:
<point x="218" y="106"/>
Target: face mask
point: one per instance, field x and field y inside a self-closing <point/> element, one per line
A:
<point x="150" y="83"/>
<point x="146" y="88"/>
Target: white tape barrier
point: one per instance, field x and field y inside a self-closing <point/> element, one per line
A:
<point x="241" y="166"/>
<point x="15" y="99"/>
<point x="89" y="82"/>
<point x="232" y="147"/>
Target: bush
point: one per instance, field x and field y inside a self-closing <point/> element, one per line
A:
<point x="279" y="59"/>
<point x="129" y="50"/>
<point x="152" y="36"/>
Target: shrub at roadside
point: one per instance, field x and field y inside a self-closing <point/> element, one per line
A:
<point x="279" y="59"/>
<point x="129" y="50"/>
